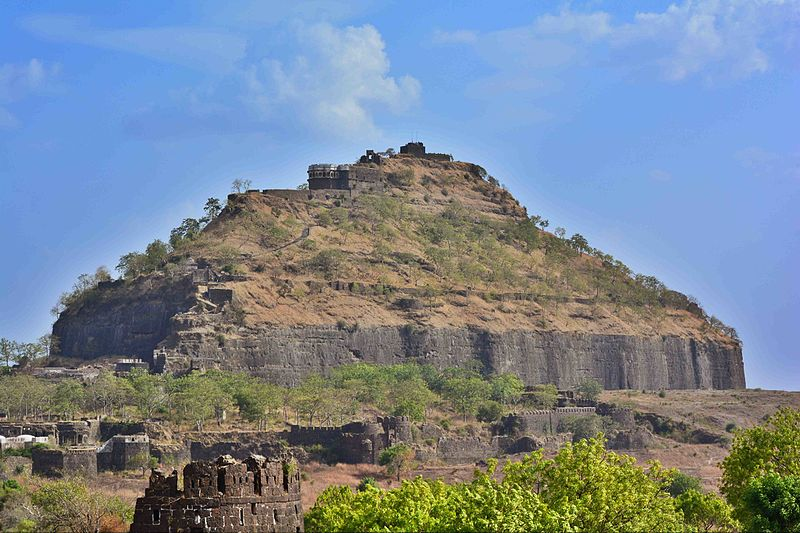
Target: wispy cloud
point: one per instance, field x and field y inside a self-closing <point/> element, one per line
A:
<point x="206" y="49"/>
<point x="334" y="80"/>
<point x="18" y="81"/>
<point x="714" y="39"/>
<point x="455" y="37"/>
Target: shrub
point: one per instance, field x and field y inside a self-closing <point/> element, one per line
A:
<point x="730" y="427"/>
<point x="489" y="411"/>
<point x="366" y="482"/>
<point x="681" y="482"/>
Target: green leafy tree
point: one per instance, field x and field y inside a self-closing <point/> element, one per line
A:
<point x="773" y="503"/>
<point x="706" y="512"/>
<point x="760" y="450"/>
<point x="69" y="506"/>
<point x="506" y="388"/>
<point x="680" y="483"/>
<point x="489" y="411"/>
<point x="8" y="350"/>
<point x="589" y="388"/>
<point x="465" y="394"/>
<point x="68" y="398"/>
<point x="257" y="401"/>
<point x="397" y="459"/>
<point x="544" y="396"/>
<point x="149" y="392"/>
<point x="188" y="230"/>
<point x="212" y="209"/>
<point x="583" y="488"/>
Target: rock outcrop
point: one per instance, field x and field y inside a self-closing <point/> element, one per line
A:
<point x="287" y="354"/>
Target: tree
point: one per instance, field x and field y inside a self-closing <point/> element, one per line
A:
<point x="8" y="350"/>
<point x="69" y="506"/>
<point x="680" y="483"/>
<point x="589" y="389"/>
<point x="68" y="398"/>
<point x="212" y="209"/>
<point x="770" y="448"/>
<point x="490" y="411"/>
<point x="188" y="230"/>
<point x="583" y="488"/>
<point x="707" y="512"/>
<point x="506" y="388"/>
<point x="544" y="396"/>
<point x="257" y="400"/>
<point x="240" y="185"/>
<point x="773" y="503"/>
<point x="579" y="243"/>
<point x="149" y="393"/>
<point x="465" y="394"/>
<point x="397" y="459"/>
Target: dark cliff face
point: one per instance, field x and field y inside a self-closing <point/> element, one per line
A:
<point x="134" y="319"/>
<point x="287" y="354"/>
<point x="122" y="319"/>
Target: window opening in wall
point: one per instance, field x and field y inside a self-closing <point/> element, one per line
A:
<point x="241" y="517"/>
<point x="196" y="517"/>
<point x="157" y="516"/>
<point x="274" y="516"/>
<point x="253" y="508"/>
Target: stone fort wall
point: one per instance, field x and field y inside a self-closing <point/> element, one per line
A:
<point x="541" y="421"/>
<point x="257" y="494"/>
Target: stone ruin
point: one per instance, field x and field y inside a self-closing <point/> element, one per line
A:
<point x="224" y="495"/>
<point x="74" y="460"/>
<point x="417" y="149"/>
<point x="356" y="442"/>
<point x="123" y="452"/>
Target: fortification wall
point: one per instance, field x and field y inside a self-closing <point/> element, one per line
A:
<point x="110" y="429"/>
<point x="542" y="421"/>
<point x="223" y="496"/>
<point x="79" y="461"/>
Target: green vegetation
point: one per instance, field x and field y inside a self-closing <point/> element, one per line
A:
<point x="767" y="450"/>
<point x="589" y="389"/>
<point x="407" y="389"/>
<point x="583" y="488"/>
<point x="24" y="353"/>
<point x="772" y="503"/>
<point x="397" y="459"/>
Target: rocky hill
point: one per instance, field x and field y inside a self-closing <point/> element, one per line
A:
<point x="436" y="263"/>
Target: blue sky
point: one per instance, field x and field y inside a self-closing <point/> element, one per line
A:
<point x="667" y="134"/>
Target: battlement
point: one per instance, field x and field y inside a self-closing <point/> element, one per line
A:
<point x="417" y="149"/>
<point x="257" y="494"/>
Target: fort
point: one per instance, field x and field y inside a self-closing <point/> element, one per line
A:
<point x="224" y="495"/>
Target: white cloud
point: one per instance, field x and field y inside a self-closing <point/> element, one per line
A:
<point x="18" y="81"/>
<point x="708" y="38"/>
<point x="199" y="48"/>
<point x="334" y="84"/>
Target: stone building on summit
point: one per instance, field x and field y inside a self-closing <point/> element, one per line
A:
<point x="255" y="495"/>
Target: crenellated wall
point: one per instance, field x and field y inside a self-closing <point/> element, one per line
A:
<point x="256" y="495"/>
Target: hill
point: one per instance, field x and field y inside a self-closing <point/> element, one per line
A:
<point x="424" y="259"/>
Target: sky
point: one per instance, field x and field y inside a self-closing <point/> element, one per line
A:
<point x="668" y="134"/>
